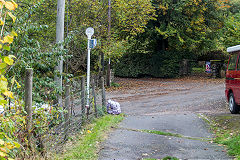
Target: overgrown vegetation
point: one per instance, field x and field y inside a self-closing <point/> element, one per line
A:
<point x="87" y="144"/>
<point x="8" y="146"/>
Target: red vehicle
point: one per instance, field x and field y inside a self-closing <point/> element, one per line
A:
<point x="232" y="90"/>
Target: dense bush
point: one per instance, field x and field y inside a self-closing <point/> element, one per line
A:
<point x="133" y="65"/>
<point x="164" y="64"/>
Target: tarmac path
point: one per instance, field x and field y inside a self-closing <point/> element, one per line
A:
<point x="172" y="110"/>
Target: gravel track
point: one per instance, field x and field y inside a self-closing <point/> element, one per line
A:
<point x="169" y="106"/>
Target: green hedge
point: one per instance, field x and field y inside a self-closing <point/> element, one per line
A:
<point x="164" y="64"/>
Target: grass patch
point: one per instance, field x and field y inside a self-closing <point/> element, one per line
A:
<point x="175" y="135"/>
<point x="226" y="130"/>
<point x="233" y="145"/>
<point x="169" y="134"/>
<point x="231" y="140"/>
<point x="198" y="70"/>
<point x="170" y="158"/>
<point x="163" y="133"/>
<point x="114" y="84"/>
<point x="87" y="145"/>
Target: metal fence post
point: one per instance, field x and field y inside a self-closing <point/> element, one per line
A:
<point x="28" y="101"/>
<point x="103" y="93"/>
<point x="67" y="107"/>
<point x="83" y="96"/>
<point x="94" y="97"/>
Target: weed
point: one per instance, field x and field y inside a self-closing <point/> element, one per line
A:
<point x="170" y="134"/>
<point x="170" y="158"/>
<point x="113" y="84"/>
<point x="163" y="133"/>
<point x="87" y="146"/>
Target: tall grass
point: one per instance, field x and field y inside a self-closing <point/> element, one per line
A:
<point x="88" y="145"/>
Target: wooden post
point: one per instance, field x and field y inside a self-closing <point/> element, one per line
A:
<point x="28" y="101"/>
<point x="103" y="93"/>
<point x="186" y="68"/>
<point x="67" y="107"/>
<point x="83" y="96"/>
<point x="94" y="97"/>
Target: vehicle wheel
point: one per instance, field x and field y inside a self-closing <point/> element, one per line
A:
<point x="233" y="107"/>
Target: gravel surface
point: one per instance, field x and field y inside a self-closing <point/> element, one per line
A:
<point x="168" y="106"/>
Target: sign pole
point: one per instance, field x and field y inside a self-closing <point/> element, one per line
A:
<point x="88" y="74"/>
<point x="89" y="33"/>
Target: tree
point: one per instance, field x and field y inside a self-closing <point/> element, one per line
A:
<point x="132" y="16"/>
<point x="231" y="32"/>
<point x="191" y="25"/>
<point x="128" y="19"/>
<point x="183" y="30"/>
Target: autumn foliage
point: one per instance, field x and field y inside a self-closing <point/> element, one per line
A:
<point x="7" y="145"/>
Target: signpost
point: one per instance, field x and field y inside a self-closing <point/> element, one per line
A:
<point x="208" y="67"/>
<point x="89" y="33"/>
<point x="92" y="43"/>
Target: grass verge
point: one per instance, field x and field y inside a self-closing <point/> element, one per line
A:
<point x="87" y="145"/>
<point x="226" y="128"/>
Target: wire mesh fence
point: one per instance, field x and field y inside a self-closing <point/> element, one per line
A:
<point x="68" y="120"/>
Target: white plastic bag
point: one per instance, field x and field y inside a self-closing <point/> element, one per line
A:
<point x="113" y="107"/>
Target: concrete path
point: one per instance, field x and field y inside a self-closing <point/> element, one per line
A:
<point x="170" y="107"/>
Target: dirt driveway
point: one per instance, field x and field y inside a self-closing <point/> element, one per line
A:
<point x="163" y="119"/>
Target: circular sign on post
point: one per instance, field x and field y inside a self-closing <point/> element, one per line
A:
<point x="89" y="32"/>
